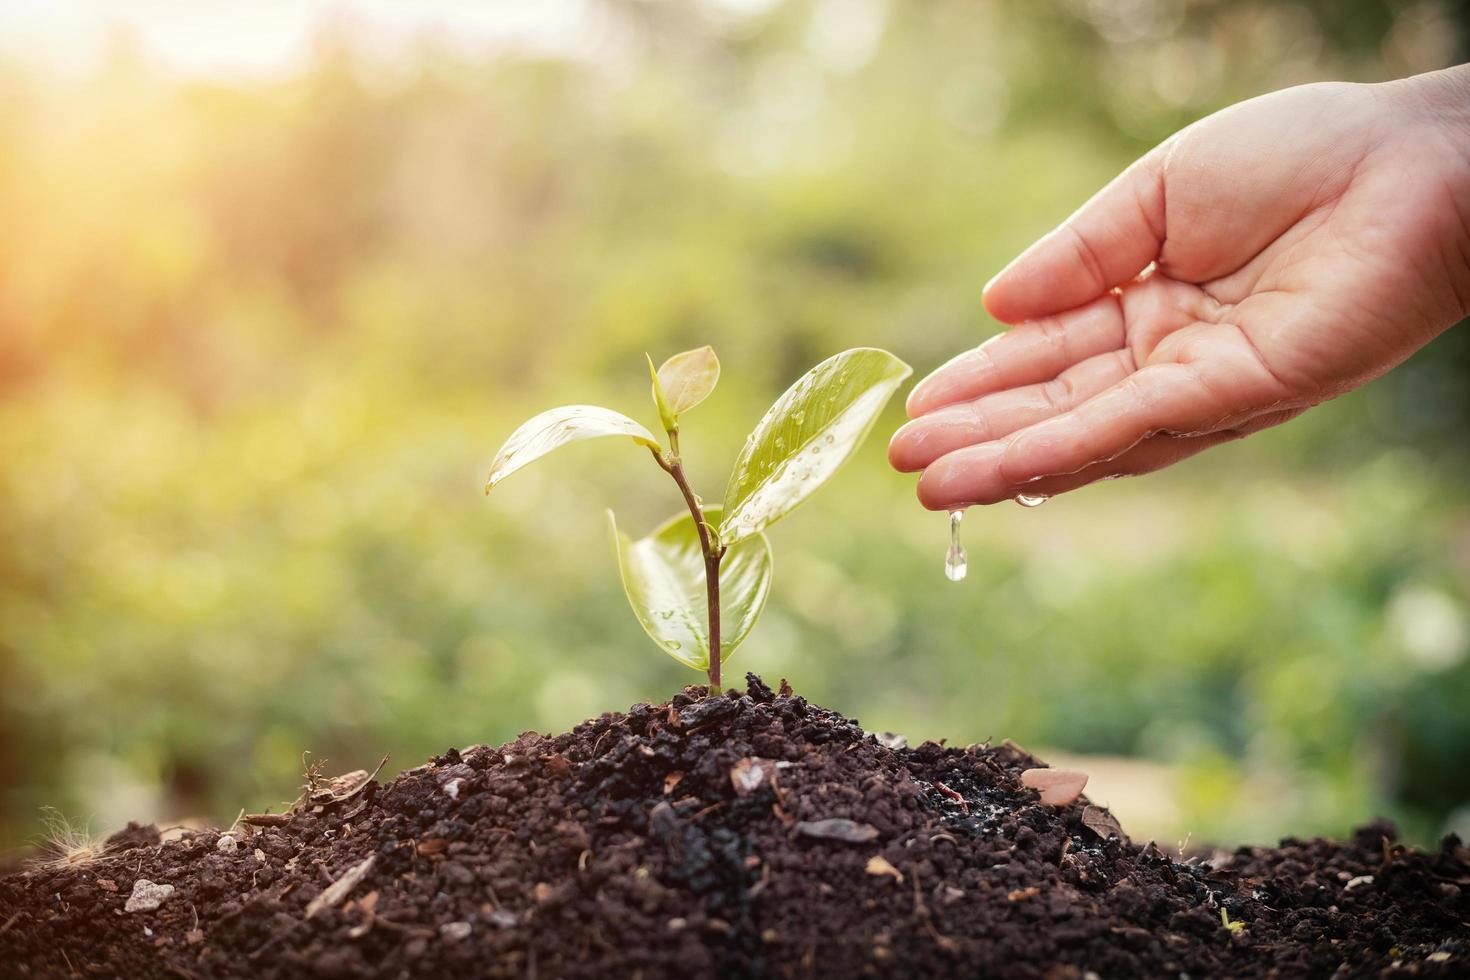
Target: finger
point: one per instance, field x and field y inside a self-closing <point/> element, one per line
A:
<point x="923" y="440"/>
<point x="1155" y="453"/>
<point x="1108" y="241"/>
<point x="1027" y="354"/>
<point x="1178" y="397"/>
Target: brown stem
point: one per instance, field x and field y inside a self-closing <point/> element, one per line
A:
<point x="712" y="556"/>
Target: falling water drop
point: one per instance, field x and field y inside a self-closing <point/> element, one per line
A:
<point x="1031" y="499"/>
<point x="956" y="564"/>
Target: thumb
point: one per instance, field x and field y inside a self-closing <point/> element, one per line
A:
<point x="1108" y="241"/>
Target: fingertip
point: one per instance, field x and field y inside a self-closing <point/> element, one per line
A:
<point x="900" y="450"/>
<point x="961" y="478"/>
<point x="912" y="405"/>
<point x="946" y="384"/>
<point x="931" y="493"/>
<point x="998" y="298"/>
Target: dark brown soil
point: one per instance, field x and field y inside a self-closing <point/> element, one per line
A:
<point x="753" y="835"/>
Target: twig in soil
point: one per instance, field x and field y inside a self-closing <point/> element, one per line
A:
<point x="273" y="940"/>
<point x="339" y="889"/>
<point x="68" y="963"/>
<point x="709" y="809"/>
<point x="10" y="922"/>
<point x="267" y="819"/>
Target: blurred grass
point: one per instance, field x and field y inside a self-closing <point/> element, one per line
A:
<point x="258" y="342"/>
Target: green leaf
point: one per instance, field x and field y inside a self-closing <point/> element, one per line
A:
<point x="555" y="428"/>
<point x="666" y="415"/>
<point x="663" y="575"/>
<point x="806" y="436"/>
<point x="689" y="377"/>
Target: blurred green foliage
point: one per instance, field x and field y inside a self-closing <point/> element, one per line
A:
<point x="258" y="342"/>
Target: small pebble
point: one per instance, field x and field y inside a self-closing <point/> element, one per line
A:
<point x="147" y="896"/>
<point x="502" y="919"/>
<point x="453" y="932"/>
<point x="226" y="844"/>
<point x="451" y="788"/>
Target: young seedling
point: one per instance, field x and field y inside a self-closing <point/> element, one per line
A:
<point x="698" y="583"/>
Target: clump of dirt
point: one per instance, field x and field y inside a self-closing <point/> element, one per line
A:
<point x="751" y="835"/>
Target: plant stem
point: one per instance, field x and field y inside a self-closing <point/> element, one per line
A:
<point x="674" y="466"/>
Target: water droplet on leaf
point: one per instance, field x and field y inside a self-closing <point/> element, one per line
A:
<point x="1031" y="499"/>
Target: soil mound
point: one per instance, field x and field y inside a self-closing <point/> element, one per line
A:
<point x="752" y="835"/>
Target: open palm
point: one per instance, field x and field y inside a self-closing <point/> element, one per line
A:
<point x="1266" y="259"/>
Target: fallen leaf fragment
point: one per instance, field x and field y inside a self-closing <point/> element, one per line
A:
<point x="1023" y="894"/>
<point x="878" y="865"/>
<point x="337" y="891"/>
<point x="748" y="775"/>
<point x="672" y="780"/>
<point x="1058" y="787"/>
<point x="837" y="828"/>
<point x="1102" y="823"/>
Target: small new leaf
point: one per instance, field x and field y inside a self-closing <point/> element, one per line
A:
<point x="663" y="576"/>
<point x="806" y="436"/>
<point x="666" y="415"/>
<point x="688" y="378"/>
<point x="555" y="428"/>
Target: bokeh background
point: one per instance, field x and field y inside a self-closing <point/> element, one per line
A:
<point x="274" y="286"/>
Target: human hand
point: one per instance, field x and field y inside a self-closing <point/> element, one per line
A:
<point x="1265" y="259"/>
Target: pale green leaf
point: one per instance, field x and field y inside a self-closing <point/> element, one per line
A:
<point x="557" y="427"/>
<point x="666" y="415"/>
<point x="689" y="377"/>
<point x="806" y="436"/>
<point x="663" y="575"/>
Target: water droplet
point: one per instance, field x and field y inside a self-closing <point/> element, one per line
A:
<point x="956" y="563"/>
<point x="1031" y="499"/>
<point x="674" y="644"/>
<point x="831" y="438"/>
<point x="780" y="443"/>
<point x="816" y="449"/>
<point x="798" y="417"/>
<point x="666" y="614"/>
